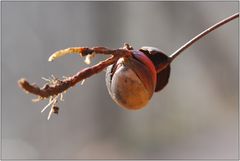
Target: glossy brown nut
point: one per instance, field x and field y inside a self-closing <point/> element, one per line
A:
<point x="131" y="82"/>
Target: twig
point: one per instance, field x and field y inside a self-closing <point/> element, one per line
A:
<point x="202" y="34"/>
<point x="60" y="86"/>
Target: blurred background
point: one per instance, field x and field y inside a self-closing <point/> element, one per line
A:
<point x="194" y="117"/>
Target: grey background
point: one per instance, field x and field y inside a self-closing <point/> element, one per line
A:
<point x="194" y="117"/>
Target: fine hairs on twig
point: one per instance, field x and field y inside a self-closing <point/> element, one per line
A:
<point x="55" y="88"/>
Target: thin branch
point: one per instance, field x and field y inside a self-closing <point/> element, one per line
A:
<point x="202" y="34"/>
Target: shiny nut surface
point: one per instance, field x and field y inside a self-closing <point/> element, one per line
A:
<point x="131" y="82"/>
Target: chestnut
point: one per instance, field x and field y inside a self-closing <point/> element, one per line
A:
<point x="131" y="82"/>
